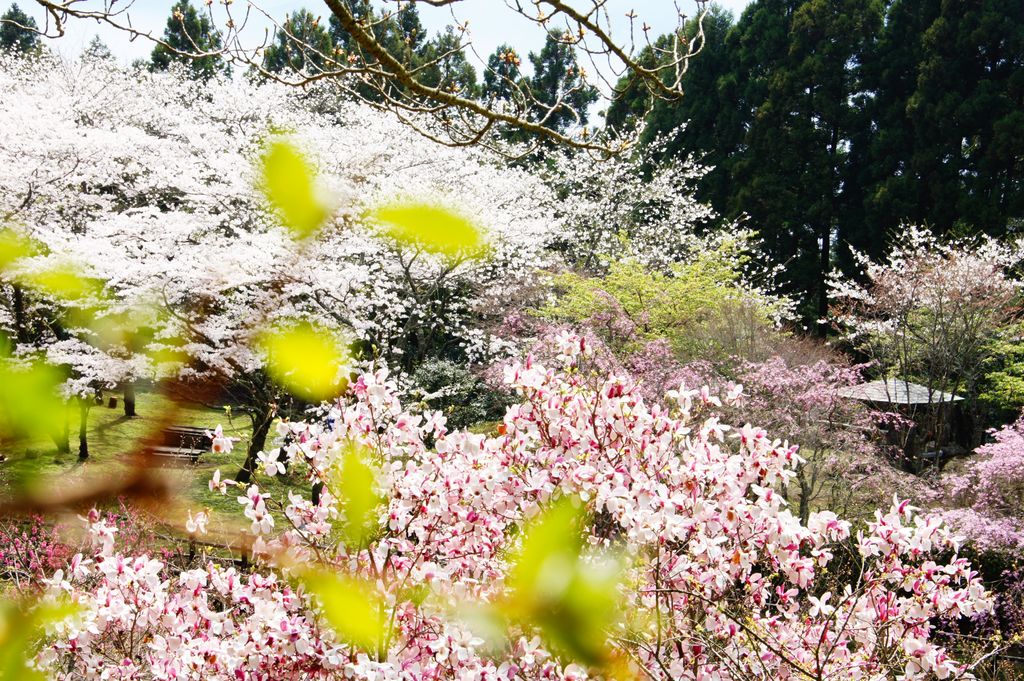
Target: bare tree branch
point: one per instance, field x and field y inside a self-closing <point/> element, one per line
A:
<point x="444" y="112"/>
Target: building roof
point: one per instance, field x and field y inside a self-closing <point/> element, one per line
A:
<point x="897" y="391"/>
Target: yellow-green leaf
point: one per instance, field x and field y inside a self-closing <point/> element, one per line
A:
<point x="21" y="626"/>
<point x="289" y="183"/>
<point x="351" y="607"/>
<point x="549" y="551"/>
<point x="307" y="360"/>
<point x="571" y="597"/>
<point x="166" y="354"/>
<point x="13" y="247"/>
<point x="356" y="486"/>
<point x="433" y="228"/>
<point x="30" y="404"/>
<point x="62" y="283"/>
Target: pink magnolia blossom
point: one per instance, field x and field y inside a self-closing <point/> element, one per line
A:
<point x="221" y="443"/>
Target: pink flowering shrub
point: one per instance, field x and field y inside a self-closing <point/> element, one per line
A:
<point x="985" y="499"/>
<point x="202" y="623"/>
<point x="840" y="457"/>
<point x="652" y="364"/>
<point x="34" y="547"/>
<point x="721" y="580"/>
<point x="31" y="549"/>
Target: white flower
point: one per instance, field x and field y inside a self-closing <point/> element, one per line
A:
<point x="197" y="524"/>
<point x="218" y="485"/>
<point x="221" y="443"/>
<point x="820" y="606"/>
<point x="268" y="461"/>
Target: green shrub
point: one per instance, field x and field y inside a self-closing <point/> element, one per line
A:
<point x="456" y="391"/>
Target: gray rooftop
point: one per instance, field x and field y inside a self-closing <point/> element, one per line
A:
<point x="897" y="391"/>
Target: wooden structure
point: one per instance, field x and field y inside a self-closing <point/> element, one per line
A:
<point x="938" y="428"/>
<point x="181" y="445"/>
<point x="896" y="391"/>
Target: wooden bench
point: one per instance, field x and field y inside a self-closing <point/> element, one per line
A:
<point x="175" y="456"/>
<point x="181" y="446"/>
<point x="187" y="437"/>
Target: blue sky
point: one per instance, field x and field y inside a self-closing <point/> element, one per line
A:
<point x="490" y="22"/>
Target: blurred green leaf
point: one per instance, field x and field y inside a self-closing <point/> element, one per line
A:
<point x="570" y="596"/>
<point x="289" y="183"/>
<point x="433" y="228"/>
<point x="13" y="247"/>
<point x="22" y="625"/>
<point x="352" y="607"/>
<point x="307" y="360"/>
<point x="30" y="403"/>
<point x="162" y="349"/>
<point x="63" y="284"/>
<point x="357" y="488"/>
<point x="129" y="328"/>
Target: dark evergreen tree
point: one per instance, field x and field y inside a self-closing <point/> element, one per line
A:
<point x="409" y="36"/>
<point x="362" y="10"/>
<point x="949" y="116"/>
<point x="706" y="123"/>
<point x="189" y="31"/>
<point x="793" y="168"/>
<point x="558" y="85"/>
<point x="503" y="74"/>
<point x="97" y="50"/>
<point x="402" y="34"/>
<point x="831" y="123"/>
<point x="446" y="65"/>
<point x="18" y="31"/>
<point x="301" y="44"/>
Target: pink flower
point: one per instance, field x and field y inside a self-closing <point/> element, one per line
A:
<point x="197" y="524"/>
<point x="221" y="443"/>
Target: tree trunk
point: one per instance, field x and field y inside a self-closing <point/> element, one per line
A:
<point x="20" y="326"/>
<point x="83" y="423"/>
<point x="824" y="269"/>
<point x="60" y="436"/>
<point x="805" y="504"/>
<point x="129" y="398"/>
<point x="260" y="430"/>
<point x="66" y="434"/>
<point x="805" y="491"/>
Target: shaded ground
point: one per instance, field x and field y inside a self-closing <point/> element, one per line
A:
<point x="112" y="437"/>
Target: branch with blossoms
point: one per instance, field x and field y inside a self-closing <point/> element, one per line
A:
<point x="718" y="577"/>
<point x="928" y="312"/>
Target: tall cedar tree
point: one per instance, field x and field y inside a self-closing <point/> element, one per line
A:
<point x="189" y="31"/>
<point x="793" y="168"/>
<point x="503" y="74"/>
<point x="97" y="50"/>
<point x="833" y="123"/>
<point x="301" y="44"/>
<point x="17" y="31"/>
<point x="403" y="35"/>
<point x="449" y="69"/>
<point x="706" y="122"/>
<point x="949" y="115"/>
<point x="558" y="84"/>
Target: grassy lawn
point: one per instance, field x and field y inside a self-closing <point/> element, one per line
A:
<point x="112" y="437"/>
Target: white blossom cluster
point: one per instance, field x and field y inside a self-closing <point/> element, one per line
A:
<point x="148" y="182"/>
<point x="631" y="205"/>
